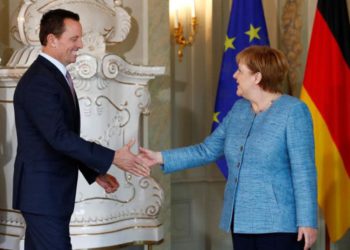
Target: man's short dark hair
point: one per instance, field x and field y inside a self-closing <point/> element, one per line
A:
<point x="52" y="22"/>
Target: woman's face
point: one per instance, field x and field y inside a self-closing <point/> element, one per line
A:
<point x="245" y="79"/>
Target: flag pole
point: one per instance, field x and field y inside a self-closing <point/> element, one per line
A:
<point x="328" y="242"/>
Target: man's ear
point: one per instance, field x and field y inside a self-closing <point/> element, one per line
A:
<point x="51" y="40"/>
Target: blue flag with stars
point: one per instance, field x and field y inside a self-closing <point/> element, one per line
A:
<point x="246" y="27"/>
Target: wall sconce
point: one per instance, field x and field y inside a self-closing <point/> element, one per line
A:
<point x="178" y="9"/>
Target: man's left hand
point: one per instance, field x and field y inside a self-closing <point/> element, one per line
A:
<point x="108" y="182"/>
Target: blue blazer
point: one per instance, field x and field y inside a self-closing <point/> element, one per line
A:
<point x="271" y="185"/>
<point x="50" y="151"/>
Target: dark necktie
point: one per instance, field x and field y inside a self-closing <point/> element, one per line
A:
<point x="71" y="86"/>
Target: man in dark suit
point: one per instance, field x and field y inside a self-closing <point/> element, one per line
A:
<point x="50" y="151"/>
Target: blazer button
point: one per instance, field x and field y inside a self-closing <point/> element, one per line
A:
<point x="241" y="148"/>
<point x="236" y="180"/>
<point x="238" y="164"/>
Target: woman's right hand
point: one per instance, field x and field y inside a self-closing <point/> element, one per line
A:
<point x="309" y="234"/>
<point x="149" y="158"/>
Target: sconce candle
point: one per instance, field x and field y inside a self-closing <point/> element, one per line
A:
<point x="178" y="30"/>
<point x="193" y="9"/>
<point x="176" y="20"/>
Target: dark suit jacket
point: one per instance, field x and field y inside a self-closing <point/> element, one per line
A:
<point x="50" y="151"/>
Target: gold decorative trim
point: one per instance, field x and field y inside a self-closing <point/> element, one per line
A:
<point x="7" y="87"/>
<point x="129" y="83"/>
<point x="6" y="225"/>
<point x="97" y="101"/>
<point x="143" y="243"/>
<point x="10" y="210"/>
<point x="107" y="198"/>
<point x="120" y="109"/>
<point x="113" y="222"/>
<point x="5" y="101"/>
<point x="11" y="235"/>
<point x="118" y="230"/>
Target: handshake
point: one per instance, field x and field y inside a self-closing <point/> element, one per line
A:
<point x="139" y="165"/>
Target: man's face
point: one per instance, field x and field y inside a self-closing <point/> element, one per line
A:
<point x="68" y="44"/>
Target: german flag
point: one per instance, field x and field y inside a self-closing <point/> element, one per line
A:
<point x="326" y="91"/>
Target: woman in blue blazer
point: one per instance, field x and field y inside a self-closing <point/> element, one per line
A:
<point x="270" y="200"/>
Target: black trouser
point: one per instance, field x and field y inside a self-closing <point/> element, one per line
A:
<point x="270" y="241"/>
<point x="44" y="232"/>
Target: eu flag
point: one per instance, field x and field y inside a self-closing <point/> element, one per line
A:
<point x="246" y="27"/>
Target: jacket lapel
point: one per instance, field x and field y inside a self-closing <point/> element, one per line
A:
<point x="63" y="82"/>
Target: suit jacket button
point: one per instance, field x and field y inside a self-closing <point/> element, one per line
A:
<point x="241" y="148"/>
<point x="238" y="164"/>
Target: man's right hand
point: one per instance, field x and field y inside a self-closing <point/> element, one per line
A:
<point x="127" y="161"/>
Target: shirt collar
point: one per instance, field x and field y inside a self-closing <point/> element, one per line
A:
<point x="55" y="62"/>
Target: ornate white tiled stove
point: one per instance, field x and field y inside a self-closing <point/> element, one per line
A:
<point x="113" y="96"/>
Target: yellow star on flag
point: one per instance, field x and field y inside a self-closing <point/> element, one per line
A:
<point x="216" y="117"/>
<point x="229" y="43"/>
<point x="253" y="33"/>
